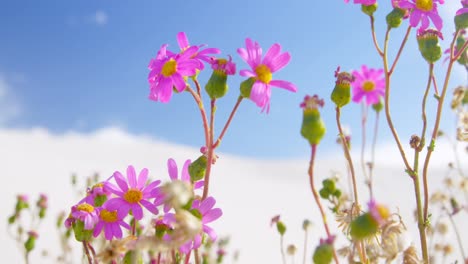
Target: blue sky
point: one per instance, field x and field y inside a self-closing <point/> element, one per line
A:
<point x="82" y="65"/>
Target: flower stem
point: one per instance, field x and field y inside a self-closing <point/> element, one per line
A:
<point x="231" y="116"/>
<point x="187" y="257"/>
<point x="374" y="38"/>
<point x="317" y="198"/>
<point x="347" y="155"/>
<point x="88" y="256"/>
<point x="435" y="130"/>
<point x="202" y="113"/>
<point x="374" y="144"/>
<point x="457" y="234"/>
<point x="364" y="111"/>
<point x="197" y="257"/>
<point x="209" y="145"/>
<point x="305" y="247"/>
<point x="403" y="43"/>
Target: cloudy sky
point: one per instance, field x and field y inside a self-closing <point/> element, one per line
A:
<point x="73" y="98"/>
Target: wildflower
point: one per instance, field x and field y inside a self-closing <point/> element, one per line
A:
<point x="42" y="204"/>
<point x="341" y="94"/>
<point x="204" y="209"/>
<point x="111" y="222"/>
<point x="313" y="128"/>
<point x="428" y="44"/>
<point x="97" y="195"/>
<point x="168" y="70"/>
<point x="262" y="70"/>
<point x="423" y="11"/>
<point x="85" y="213"/>
<point x="464" y="9"/>
<point x="184" y="176"/>
<point x="368" y="83"/>
<point x="396" y="4"/>
<point x="369" y="223"/>
<point x="324" y="251"/>
<point x="132" y="193"/>
<point x="31" y="241"/>
<point x="225" y="66"/>
<point x="199" y="56"/>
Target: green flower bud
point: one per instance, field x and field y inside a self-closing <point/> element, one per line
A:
<point x="306" y="224"/>
<point x="369" y="9"/>
<point x="428" y="42"/>
<point x="246" y="87"/>
<point x="395" y="17"/>
<point x="130" y="256"/>
<point x="465" y="98"/>
<point x="281" y="227"/>
<point x="197" y="168"/>
<point x="329" y="184"/>
<point x="313" y="128"/>
<point x="323" y="254"/>
<point x="217" y="87"/>
<point x="324" y="193"/>
<point x="81" y="234"/>
<point x="363" y="226"/>
<point x="42" y="213"/>
<point x="31" y="241"/>
<point x="378" y="106"/>
<point x="341" y="94"/>
<point x="463" y="60"/>
<point x="11" y="219"/>
<point x="461" y="21"/>
<point x="337" y="193"/>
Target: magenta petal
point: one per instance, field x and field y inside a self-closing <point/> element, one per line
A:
<point x="131" y="176"/>
<point x="247" y="73"/>
<point x="415" y="18"/>
<point x="206" y="205"/>
<point x="461" y="11"/>
<point x="116" y="230"/>
<point x="182" y="40"/>
<point x="185" y="248"/>
<point x="279" y="62"/>
<point x="98" y="229"/>
<point x="123" y="210"/>
<point x="108" y="232"/>
<point x="258" y="93"/>
<point x="211" y="233"/>
<point x="185" y="173"/>
<point x="88" y="223"/>
<point x="272" y="52"/>
<point x="125" y="225"/>
<point x="112" y="188"/>
<point x="172" y="169"/>
<point x="179" y="82"/>
<point x="150" y="189"/>
<point x="164" y="92"/>
<point x="120" y="180"/>
<point x="114" y="203"/>
<point x="436" y="19"/>
<point x="199" y="184"/>
<point x="197" y="241"/>
<point x="137" y="211"/>
<point x="188" y="53"/>
<point x="358" y="97"/>
<point x="151" y="207"/>
<point x="284" y="84"/>
<point x="142" y="178"/>
<point x="243" y="54"/>
<point x="212" y="215"/>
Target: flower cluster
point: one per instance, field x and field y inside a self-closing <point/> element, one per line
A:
<point x="124" y="202"/>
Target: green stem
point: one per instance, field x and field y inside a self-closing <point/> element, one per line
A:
<point x="228" y="122"/>
<point x="210" y="153"/>
<point x="364" y="111"/>
<point x="402" y="46"/>
<point x="374" y="38"/>
<point x="283" y="256"/>
<point x="374" y="144"/>
<point x="457" y="234"/>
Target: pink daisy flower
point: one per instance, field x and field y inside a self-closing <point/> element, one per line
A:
<point x="368" y="83"/>
<point x="262" y="71"/>
<point x="95" y="192"/>
<point x="85" y="213"/>
<point x="201" y="55"/>
<point x="363" y="2"/>
<point x="132" y="193"/>
<point x="423" y="11"/>
<point x="111" y="223"/>
<point x="225" y="66"/>
<point x="378" y="212"/>
<point x="168" y="70"/>
<point x="208" y="214"/>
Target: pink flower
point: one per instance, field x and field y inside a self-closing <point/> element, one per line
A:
<point x="208" y="215"/>
<point x="85" y="213"/>
<point x="132" y="193"/>
<point x="378" y="212"/>
<point x="363" y="2"/>
<point x="201" y="55"/>
<point x="168" y="70"/>
<point x="226" y="66"/>
<point x="368" y="83"/>
<point x="422" y="11"/>
<point x="111" y="222"/>
<point x="94" y="192"/>
<point x="262" y="71"/>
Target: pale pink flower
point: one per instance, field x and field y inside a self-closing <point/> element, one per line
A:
<point x="368" y="83"/>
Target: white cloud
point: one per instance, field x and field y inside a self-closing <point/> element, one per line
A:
<point x="100" y="18"/>
<point x="249" y="191"/>
<point x="9" y="106"/>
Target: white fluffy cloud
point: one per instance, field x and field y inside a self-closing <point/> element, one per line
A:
<point x="9" y="106"/>
<point x="249" y="191"/>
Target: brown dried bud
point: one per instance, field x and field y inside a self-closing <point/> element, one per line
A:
<point x="410" y="256"/>
<point x="414" y="141"/>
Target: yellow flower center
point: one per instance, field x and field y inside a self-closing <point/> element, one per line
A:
<point x="424" y="5"/>
<point x="368" y="86"/>
<point x="169" y="68"/>
<point x="222" y="61"/>
<point x="133" y="196"/>
<point x="107" y="216"/>
<point x="85" y="207"/>
<point x="263" y="73"/>
<point x="383" y="212"/>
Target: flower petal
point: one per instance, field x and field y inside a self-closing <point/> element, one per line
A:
<point x="131" y="176"/>
<point x="172" y="169"/>
<point x="182" y="40"/>
<point x="185" y="172"/>
<point x="212" y="215"/>
<point x="120" y="180"/>
<point x="279" y="62"/>
<point x="142" y="178"/>
<point x="284" y="84"/>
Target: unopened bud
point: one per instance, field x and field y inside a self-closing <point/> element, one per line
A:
<point x="414" y="141"/>
<point x="369" y="9"/>
<point x="341" y="94"/>
<point x="395" y="17"/>
<point x="246" y="87"/>
<point x="313" y="128"/>
<point x="428" y="42"/>
<point x="197" y="168"/>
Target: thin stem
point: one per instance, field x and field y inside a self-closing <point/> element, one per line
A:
<point x="347" y="155"/>
<point x="459" y="241"/>
<point x="228" y="122"/>
<point x="197" y="257"/>
<point x="93" y="252"/>
<point x="187" y="257"/>
<point x="174" y="257"/>
<point x="134" y="223"/>
<point x="387" y="105"/>
<point x="305" y="247"/>
<point x="316" y="196"/>
<point x="374" y="38"/>
<point x="421" y="222"/>
<point x="197" y="84"/>
<point x="374" y="144"/>
<point x="202" y="113"/>
<point x="435" y="130"/>
<point x="283" y="256"/>
<point x="402" y="46"/>
<point x="423" y="110"/>
<point x="85" y="246"/>
<point x="209" y="163"/>
<point x="364" y="110"/>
